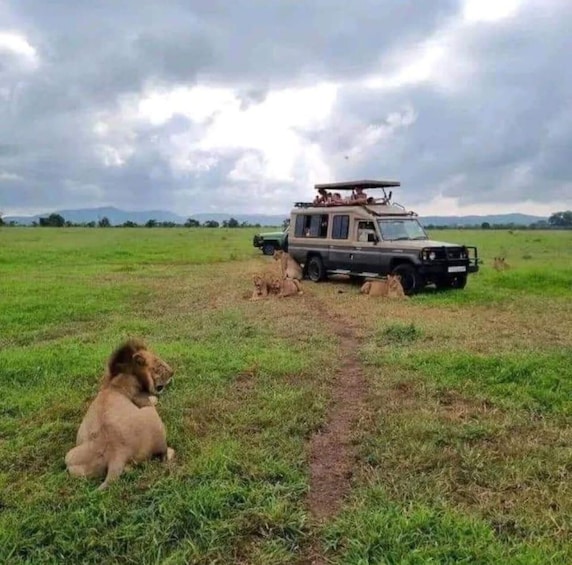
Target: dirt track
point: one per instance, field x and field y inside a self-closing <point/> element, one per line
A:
<point x="331" y="454"/>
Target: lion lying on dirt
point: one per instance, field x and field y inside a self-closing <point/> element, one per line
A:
<point x="121" y="425"/>
<point x="289" y="267"/>
<point x="389" y="288"/>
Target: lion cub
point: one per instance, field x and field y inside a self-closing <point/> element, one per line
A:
<point x="289" y="267"/>
<point x="115" y="431"/>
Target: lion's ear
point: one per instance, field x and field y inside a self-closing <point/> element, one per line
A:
<point x="139" y="359"/>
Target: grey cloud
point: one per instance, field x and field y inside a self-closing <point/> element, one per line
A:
<point x="93" y="54"/>
<point x="501" y="136"/>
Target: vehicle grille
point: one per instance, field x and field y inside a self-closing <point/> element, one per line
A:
<point x="448" y="253"/>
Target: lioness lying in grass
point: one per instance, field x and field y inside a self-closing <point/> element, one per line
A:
<point x="121" y="425"/>
<point x="267" y="285"/>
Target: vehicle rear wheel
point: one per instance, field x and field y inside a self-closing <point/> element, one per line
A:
<point x="268" y="249"/>
<point x="410" y="279"/>
<point x="316" y="271"/>
<point x="451" y="281"/>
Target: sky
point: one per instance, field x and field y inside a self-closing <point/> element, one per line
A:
<point x="217" y="106"/>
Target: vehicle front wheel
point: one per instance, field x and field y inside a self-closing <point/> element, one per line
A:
<point x="410" y="279"/>
<point x="315" y="270"/>
<point x="451" y="281"/>
<point x="268" y="249"/>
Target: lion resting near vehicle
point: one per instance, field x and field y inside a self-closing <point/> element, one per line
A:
<point x="289" y="287"/>
<point x="388" y="288"/>
<point x="121" y="425"/>
<point x="289" y="267"/>
<point x="266" y="285"/>
<point x="261" y="289"/>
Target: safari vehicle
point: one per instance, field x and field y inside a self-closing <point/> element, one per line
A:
<point x="270" y="242"/>
<point x="372" y="237"/>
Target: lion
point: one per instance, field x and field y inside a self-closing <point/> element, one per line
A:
<point x="261" y="289"/>
<point x="290" y="287"/>
<point x="499" y="264"/>
<point x="388" y="288"/>
<point x="274" y="285"/>
<point x="133" y="358"/>
<point x="115" y="430"/>
<point x="395" y="288"/>
<point x="375" y="288"/>
<point x="289" y="267"/>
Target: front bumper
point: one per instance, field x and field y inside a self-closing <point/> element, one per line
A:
<point x="257" y="241"/>
<point x="449" y="261"/>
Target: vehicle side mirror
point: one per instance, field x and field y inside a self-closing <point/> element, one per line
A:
<point x="372" y="238"/>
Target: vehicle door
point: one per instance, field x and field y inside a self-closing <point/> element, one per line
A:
<point x="365" y="257"/>
<point x="341" y="246"/>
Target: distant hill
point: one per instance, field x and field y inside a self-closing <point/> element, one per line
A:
<point x="118" y="217"/>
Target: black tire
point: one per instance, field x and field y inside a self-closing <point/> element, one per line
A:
<point x="315" y="269"/>
<point x="451" y="281"/>
<point x="268" y="249"/>
<point x="410" y="279"/>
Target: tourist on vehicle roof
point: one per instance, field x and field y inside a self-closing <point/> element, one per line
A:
<point x="359" y="195"/>
<point x="337" y="198"/>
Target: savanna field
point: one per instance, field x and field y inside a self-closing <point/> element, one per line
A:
<point x="462" y="450"/>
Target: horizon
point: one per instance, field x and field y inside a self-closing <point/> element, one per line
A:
<point x="264" y="214"/>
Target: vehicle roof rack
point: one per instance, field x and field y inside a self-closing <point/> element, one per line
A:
<point x="351" y="185"/>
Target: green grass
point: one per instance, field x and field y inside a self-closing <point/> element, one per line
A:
<point x="463" y="453"/>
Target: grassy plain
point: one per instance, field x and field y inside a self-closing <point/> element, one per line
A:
<point x="463" y="452"/>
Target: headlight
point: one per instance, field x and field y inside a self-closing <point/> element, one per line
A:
<point x="428" y="256"/>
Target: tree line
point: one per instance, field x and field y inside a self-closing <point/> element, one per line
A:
<point x="58" y="221"/>
<point x="558" y="220"/>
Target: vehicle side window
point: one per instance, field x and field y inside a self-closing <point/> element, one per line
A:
<point x="340" y="227"/>
<point x="300" y="226"/>
<point x="311" y="225"/>
<point x="363" y="230"/>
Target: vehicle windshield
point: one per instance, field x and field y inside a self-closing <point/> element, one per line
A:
<point x="401" y="229"/>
